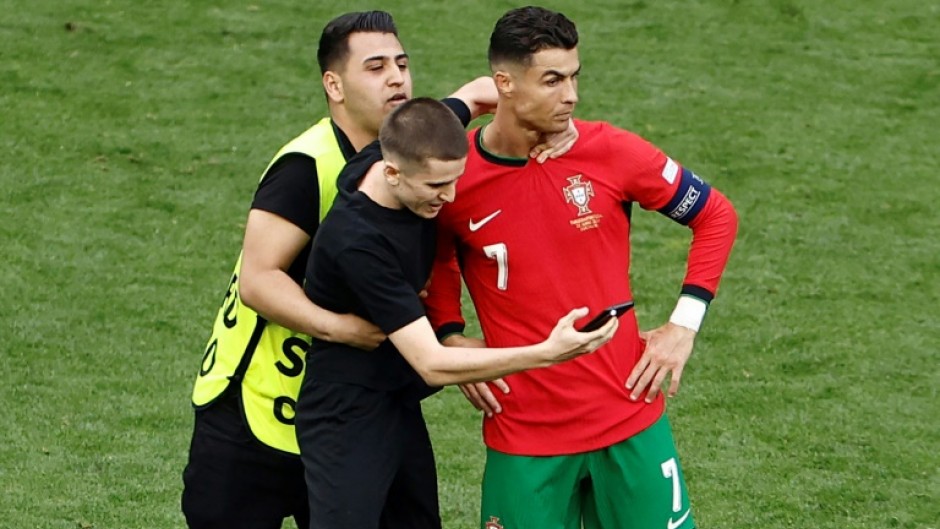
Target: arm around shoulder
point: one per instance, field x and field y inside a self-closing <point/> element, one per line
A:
<point x="480" y="96"/>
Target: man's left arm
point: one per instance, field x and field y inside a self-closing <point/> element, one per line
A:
<point x="714" y="225"/>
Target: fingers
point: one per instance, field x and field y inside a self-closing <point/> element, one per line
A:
<point x="571" y="317"/>
<point x="638" y="370"/>
<point x="656" y="384"/>
<point x="555" y="145"/>
<point x="501" y="385"/>
<point x="482" y="398"/>
<point x="650" y="375"/>
<point x="558" y="151"/>
<point x="539" y="151"/>
<point x="645" y="377"/>
<point x="377" y="338"/>
<point x="674" y="383"/>
<point x="604" y="334"/>
<point x="469" y="392"/>
<point x="367" y="342"/>
<point x="544" y="151"/>
<point x="488" y="401"/>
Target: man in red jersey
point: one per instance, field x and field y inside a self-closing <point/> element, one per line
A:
<point x="585" y="442"/>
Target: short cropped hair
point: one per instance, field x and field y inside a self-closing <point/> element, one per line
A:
<point x="524" y="31"/>
<point x="334" y="41"/>
<point x="421" y="129"/>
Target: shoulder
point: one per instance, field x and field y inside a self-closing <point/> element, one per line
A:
<point x="358" y="166"/>
<point x="602" y="136"/>
<point x="292" y="164"/>
<point x="347" y="226"/>
<point x="604" y="131"/>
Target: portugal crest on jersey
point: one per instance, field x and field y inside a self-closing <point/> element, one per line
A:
<point x="579" y="193"/>
<point x="493" y="523"/>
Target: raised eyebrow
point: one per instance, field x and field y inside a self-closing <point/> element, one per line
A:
<point x="556" y="73"/>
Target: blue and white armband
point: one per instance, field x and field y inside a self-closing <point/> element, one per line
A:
<point x="690" y="198"/>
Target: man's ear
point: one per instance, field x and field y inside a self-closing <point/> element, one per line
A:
<point x="504" y="82"/>
<point x="392" y="173"/>
<point x="333" y="86"/>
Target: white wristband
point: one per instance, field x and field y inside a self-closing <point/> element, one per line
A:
<point x="689" y="313"/>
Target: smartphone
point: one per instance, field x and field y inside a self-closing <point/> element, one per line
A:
<point x="613" y="311"/>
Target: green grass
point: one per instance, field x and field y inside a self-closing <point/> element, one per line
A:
<point x="133" y="133"/>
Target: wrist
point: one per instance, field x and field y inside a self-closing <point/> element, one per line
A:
<point x="689" y="313"/>
<point x="544" y="354"/>
<point x="326" y="325"/>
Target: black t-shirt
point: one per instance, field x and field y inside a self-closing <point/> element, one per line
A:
<point x="370" y="261"/>
<point x="290" y="188"/>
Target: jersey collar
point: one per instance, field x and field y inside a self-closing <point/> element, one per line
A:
<point x="495" y="158"/>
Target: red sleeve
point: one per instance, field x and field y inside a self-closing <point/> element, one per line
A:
<point x="657" y="182"/>
<point x="647" y="176"/>
<point x="443" y="301"/>
<point x="713" y="233"/>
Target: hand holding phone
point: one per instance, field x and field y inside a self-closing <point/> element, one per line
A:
<point x="613" y="311"/>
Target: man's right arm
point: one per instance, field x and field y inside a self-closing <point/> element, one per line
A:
<point x="271" y="244"/>
<point x="442" y="366"/>
<point x="283" y="217"/>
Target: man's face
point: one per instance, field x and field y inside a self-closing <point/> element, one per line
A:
<point x="425" y="190"/>
<point x="376" y="78"/>
<point x="545" y="92"/>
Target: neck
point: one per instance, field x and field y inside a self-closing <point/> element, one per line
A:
<point x="358" y="136"/>
<point x="507" y="136"/>
<point x="374" y="186"/>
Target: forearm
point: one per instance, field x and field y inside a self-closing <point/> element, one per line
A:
<point x="441" y="366"/>
<point x="480" y="96"/>
<point x="459" y="365"/>
<point x="713" y="235"/>
<point x="279" y="299"/>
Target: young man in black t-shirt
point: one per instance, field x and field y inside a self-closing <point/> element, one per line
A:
<point x="363" y="441"/>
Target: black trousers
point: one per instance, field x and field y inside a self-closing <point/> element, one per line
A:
<point x="367" y="458"/>
<point x="232" y="481"/>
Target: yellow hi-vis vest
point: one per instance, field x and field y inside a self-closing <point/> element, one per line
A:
<point x="266" y="358"/>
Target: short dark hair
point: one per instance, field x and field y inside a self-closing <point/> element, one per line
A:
<point x="420" y="129"/>
<point x="334" y="41"/>
<point x="523" y="31"/>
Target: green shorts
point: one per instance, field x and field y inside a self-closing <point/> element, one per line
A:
<point x="635" y="484"/>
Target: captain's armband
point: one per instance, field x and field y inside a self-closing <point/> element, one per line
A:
<point x="689" y="199"/>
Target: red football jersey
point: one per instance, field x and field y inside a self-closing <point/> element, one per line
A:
<point x="534" y="241"/>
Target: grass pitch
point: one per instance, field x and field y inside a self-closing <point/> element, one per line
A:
<point x="132" y="135"/>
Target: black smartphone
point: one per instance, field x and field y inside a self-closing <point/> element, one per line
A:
<point x="613" y="311"/>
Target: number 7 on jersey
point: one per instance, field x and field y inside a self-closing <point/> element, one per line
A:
<point x="499" y="252"/>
